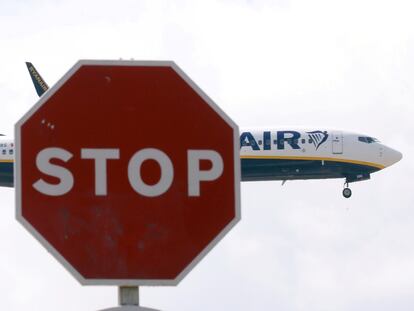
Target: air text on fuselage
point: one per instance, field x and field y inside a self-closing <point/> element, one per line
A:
<point x="268" y="139"/>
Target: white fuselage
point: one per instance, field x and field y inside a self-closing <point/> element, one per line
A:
<point x="310" y="145"/>
<point x="283" y="154"/>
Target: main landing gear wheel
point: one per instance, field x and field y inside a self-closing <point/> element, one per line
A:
<point x="347" y="193"/>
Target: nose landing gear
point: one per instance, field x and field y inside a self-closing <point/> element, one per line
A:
<point x="346" y="192"/>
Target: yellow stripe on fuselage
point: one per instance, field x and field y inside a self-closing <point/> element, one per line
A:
<point x="376" y="165"/>
<point x="6" y="161"/>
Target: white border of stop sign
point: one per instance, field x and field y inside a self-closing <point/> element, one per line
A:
<point x="197" y="176"/>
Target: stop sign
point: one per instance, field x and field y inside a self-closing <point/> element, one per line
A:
<point x="127" y="172"/>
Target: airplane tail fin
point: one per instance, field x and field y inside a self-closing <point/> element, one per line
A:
<point x="39" y="84"/>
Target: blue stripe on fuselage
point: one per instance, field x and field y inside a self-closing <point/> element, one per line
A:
<point x="290" y="169"/>
<point x="6" y="174"/>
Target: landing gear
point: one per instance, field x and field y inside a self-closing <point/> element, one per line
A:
<point x="346" y="192"/>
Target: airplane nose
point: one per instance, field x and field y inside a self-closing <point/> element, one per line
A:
<point x="393" y="156"/>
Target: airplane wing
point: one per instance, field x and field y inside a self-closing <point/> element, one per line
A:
<point x="39" y="84"/>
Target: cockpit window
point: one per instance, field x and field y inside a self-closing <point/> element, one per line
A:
<point x="367" y="139"/>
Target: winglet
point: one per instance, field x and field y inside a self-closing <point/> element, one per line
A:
<point x="39" y="84"/>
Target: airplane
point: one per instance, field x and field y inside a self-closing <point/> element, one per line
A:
<point x="313" y="154"/>
<point x="278" y="154"/>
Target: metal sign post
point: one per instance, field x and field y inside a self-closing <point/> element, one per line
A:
<point x="128" y="297"/>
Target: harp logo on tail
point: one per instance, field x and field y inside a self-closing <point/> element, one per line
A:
<point x="318" y="137"/>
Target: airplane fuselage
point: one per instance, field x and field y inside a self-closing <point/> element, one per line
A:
<point x="311" y="154"/>
<point x="6" y="162"/>
<point x="282" y="154"/>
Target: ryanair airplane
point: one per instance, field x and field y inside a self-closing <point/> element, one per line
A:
<point x="278" y="154"/>
<point x="312" y="154"/>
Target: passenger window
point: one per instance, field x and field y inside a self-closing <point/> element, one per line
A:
<point x="275" y="142"/>
<point x="3" y="151"/>
<point x="11" y="151"/>
<point x="310" y="140"/>
<point x="303" y="140"/>
<point x="260" y="141"/>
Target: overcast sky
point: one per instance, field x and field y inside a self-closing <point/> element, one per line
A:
<point x="337" y="64"/>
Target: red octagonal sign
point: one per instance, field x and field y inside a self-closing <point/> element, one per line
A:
<point x="127" y="172"/>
